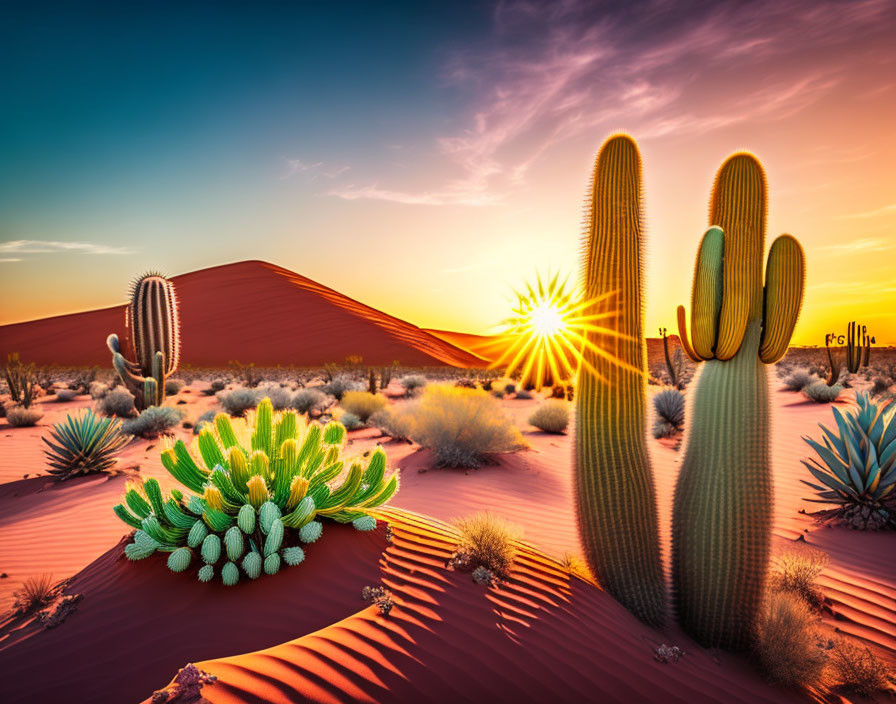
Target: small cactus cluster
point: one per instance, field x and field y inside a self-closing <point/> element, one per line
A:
<point x="265" y="480"/>
<point x="153" y="324"/>
<point x="857" y="350"/>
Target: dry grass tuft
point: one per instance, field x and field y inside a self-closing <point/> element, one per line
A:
<point x="35" y="594"/>
<point x="486" y="540"/>
<point x="787" y="646"/>
<point x="363" y="404"/>
<point x="857" y="669"/>
<point x="795" y="571"/>
<point x="552" y="416"/>
<point x="462" y="426"/>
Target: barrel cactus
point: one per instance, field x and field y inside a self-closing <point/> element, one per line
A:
<point x="616" y="498"/>
<point x="153" y="324"/>
<point x="722" y="510"/>
<point x="260" y="486"/>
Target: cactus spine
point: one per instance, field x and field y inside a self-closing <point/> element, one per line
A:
<point x="616" y="499"/>
<point x="153" y="323"/>
<point x="723" y="499"/>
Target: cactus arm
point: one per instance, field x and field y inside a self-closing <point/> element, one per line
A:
<point x="832" y="361"/>
<point x="784" y="279"/>
<point x="683" y="336"/>
<point x="706" y="296"/>
<point x="739" y="207"/>
<point x="615" y="493"/>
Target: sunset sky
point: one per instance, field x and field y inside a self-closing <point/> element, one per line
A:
<point x="425" y="157"/>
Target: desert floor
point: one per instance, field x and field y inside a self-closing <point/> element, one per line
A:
<point x="545" y="635"/>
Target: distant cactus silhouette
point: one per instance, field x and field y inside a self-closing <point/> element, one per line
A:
<point x="616" y="499"/>
<point x="857" y="346"/>
<point x="723" y="500"/>
<point x="152" y="318"/>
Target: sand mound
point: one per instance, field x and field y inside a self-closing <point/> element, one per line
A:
<point x="230" y="312"/>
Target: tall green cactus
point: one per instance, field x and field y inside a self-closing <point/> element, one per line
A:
<point x="722" y="512"/>
<point x="616" y="499"/>
<point x="152" y="318"/>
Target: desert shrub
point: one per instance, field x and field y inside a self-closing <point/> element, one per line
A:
<point x="552" y="416"/>
<point x="338" y="385"/>
<point x="310" y="400"/>
<point x="83" y="379"/>
<point x="662" y="428"/>
<point x="247" y="372"/>
<point x="669" y="406"/>
<point x="820" y="392"/>
<point x="83" y="444"/>
<point x="412" y="383"/>
<point x="363" y="404"/>
<point x="36" y="593"/>
<point x="880" y="385"/>
<point x="21" y="380"/>
<point x="203" y="420"/>
<point x="857" y="470"/>
<point x="66" y="395"/>
<point x="799" y="380"/>
<point x="466" y="383"/>
<point x="486" y="540"/>
<point x="98" y="389"/>
<point x="281" y="398"/>
<point x="239" y="511"/>
<point x="153" y="422"/>
<point x="524" y="395"/>
<point x="173" y="386"/>
<point x="392" y="422"/>
<point x="510" y="388"/>
<point x="787" y="647"/>
<point x="214" y="387"/>
<point x="462" y="426"/>
<point x="795" y="571"/>
<point x="21" y="417"/>
<point x="238" y="401"/>
<point x="858" y="670"/>
<point x="351" y="421"/>
<point x="380" y="597"/>
<point x="119" y="402"/>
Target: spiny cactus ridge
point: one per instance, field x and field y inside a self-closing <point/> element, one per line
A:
<point x="616" y="499"/>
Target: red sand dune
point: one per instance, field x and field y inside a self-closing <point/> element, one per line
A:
<point x="544" y="636"/>
<point x="251" y="311"/>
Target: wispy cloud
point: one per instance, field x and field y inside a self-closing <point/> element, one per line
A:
<point x="868" y="244"/>
<point x="886" y="210"/>
<point x="311" y="170"/>
<point x="11" y="259"/>
<point x="53" y="247"/>
<point x="556" y="70"/>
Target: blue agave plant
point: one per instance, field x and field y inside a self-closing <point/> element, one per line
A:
<point x="857" y="471"/>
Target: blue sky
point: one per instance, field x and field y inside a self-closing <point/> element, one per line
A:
<point x="425" y="157"/>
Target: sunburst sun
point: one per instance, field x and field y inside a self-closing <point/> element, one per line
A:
<point x="544" y="338"/>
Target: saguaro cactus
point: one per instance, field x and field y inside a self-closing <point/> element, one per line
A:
<point x="152" y="319"/>
<point x="723" y="500"/>
<point x="857" y="350"/>
<point x="616" y="499"/>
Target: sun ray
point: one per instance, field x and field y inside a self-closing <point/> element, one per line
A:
<point x="551" y="328"/>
